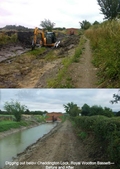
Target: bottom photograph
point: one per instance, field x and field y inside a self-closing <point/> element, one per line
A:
<point x="59" y="128"/>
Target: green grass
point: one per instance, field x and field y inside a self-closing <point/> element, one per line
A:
<point x="105" y="42"/>
<point x="7" y="125"/>
<point x="36" y="51"/>
<point x="62" y="80"/>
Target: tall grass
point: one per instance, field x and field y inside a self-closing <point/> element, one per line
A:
<point x="5" y="39"/>
<point x="105" y="42"/>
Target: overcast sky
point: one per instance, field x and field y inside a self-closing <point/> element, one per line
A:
<point x="65" y="13"/>
<point x="53" y="99"/>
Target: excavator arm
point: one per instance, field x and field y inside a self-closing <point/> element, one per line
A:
<point x="36" y="32"/>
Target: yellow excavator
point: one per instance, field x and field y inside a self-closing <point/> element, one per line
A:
<point x="47" y="39"/>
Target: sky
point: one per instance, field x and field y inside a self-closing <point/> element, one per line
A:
<point x="64" y="13"/>
<point x="52" y="100"/>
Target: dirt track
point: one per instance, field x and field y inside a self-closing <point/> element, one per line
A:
<point x="84" y="73"/>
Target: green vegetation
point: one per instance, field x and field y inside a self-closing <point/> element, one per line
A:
<point x="72" y="109"/>
<point x="85" y="24"/>
<point x="106" y="131"/>
<point x="39" y="118"/>
<point x="15" y="108"/>
<point x="63" y="80"/>
<point x="36" y="52"/>
<point x="105" y="42"/>
<point x="7" y="125"/>
<point x="110" y="8"/>
<point x="5" y="39"/>
<point x="47" y="25"/>
<point x="96" y="110"/>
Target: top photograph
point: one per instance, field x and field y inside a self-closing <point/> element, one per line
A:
<point x="60" y="44"/>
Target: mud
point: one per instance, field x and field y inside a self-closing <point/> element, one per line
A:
<point x="12" y="50"/>
<point x="32" y="71"/>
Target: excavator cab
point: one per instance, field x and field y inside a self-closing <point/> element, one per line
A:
<point x="50" y="37"/>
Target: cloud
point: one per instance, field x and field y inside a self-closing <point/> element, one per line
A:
<point x="54" y="99"/>
<point x="65" y="13"/>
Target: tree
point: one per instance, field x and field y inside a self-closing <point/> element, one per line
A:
<point x="72" y="109"/>
<point x="85" y="110"/>
<point x="85" y="24"/>
<point x="116" y="98"/>
<point x="118" y="113"/>
<point x="108" y="112"/>
<point x="96" y="23"/>
<point x="109" y="8"/>
<point x="47" y="25"/>
<point x="15" y="108"/>
<point x="96" y="110"/>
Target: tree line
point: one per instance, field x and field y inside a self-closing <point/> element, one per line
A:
<point x="74" y="110"/>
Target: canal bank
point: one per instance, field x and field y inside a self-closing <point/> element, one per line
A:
<point x="21" y="128"/>
<point x="16" y="144"/>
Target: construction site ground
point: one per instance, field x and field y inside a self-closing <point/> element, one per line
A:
<point x="62" y="149"/>
<point x="22" y="68"/>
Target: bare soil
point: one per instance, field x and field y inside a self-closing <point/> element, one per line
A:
<point x="60" y="149"/>
<point x="33" y="71"/>
<point x="83" y="73"/>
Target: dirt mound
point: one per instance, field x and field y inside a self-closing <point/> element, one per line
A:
<point x="25" y="38"/>
<point x="69" y="40"/>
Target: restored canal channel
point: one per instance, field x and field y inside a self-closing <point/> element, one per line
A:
<point x="16" y="143"/>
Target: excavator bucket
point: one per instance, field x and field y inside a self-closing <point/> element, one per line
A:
<point x="57" y="44"/>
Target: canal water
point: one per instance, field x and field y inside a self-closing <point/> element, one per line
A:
<point x="16" y="143"/>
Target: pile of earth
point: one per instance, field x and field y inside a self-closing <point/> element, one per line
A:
<point x="25" y="38"/>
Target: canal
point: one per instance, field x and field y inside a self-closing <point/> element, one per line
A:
<point x="16" y="143"/>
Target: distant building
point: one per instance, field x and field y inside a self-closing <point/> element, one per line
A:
<point x="54" y="116"/>
<point x="72" y="31"/>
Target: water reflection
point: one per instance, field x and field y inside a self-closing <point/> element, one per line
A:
<point x="15" y="143"/>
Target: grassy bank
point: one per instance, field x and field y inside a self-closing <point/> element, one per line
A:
<point x="106" y="132"/>
<point x="62" y="80"/>
<point x="7" y="122"/>
<point x="7" y="125"/>
<point x="105" y="42"/>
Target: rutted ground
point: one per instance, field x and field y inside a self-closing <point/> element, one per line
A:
<point x="63" y="147"/>
<point x="34" y="70"/>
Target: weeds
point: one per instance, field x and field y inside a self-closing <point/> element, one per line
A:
<point x="63" y="81"/>
<point x="105" y="42"/>
<point x="82" y="135"/>
<point x="5" y="39"/>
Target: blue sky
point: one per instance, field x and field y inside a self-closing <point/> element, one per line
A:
<point x="53" y="99"/>
<point x="65" y="13"/>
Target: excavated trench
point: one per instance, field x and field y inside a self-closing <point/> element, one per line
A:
<point x="21" y="69"/>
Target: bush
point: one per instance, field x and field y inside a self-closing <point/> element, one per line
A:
<point x="106" y="131"/>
